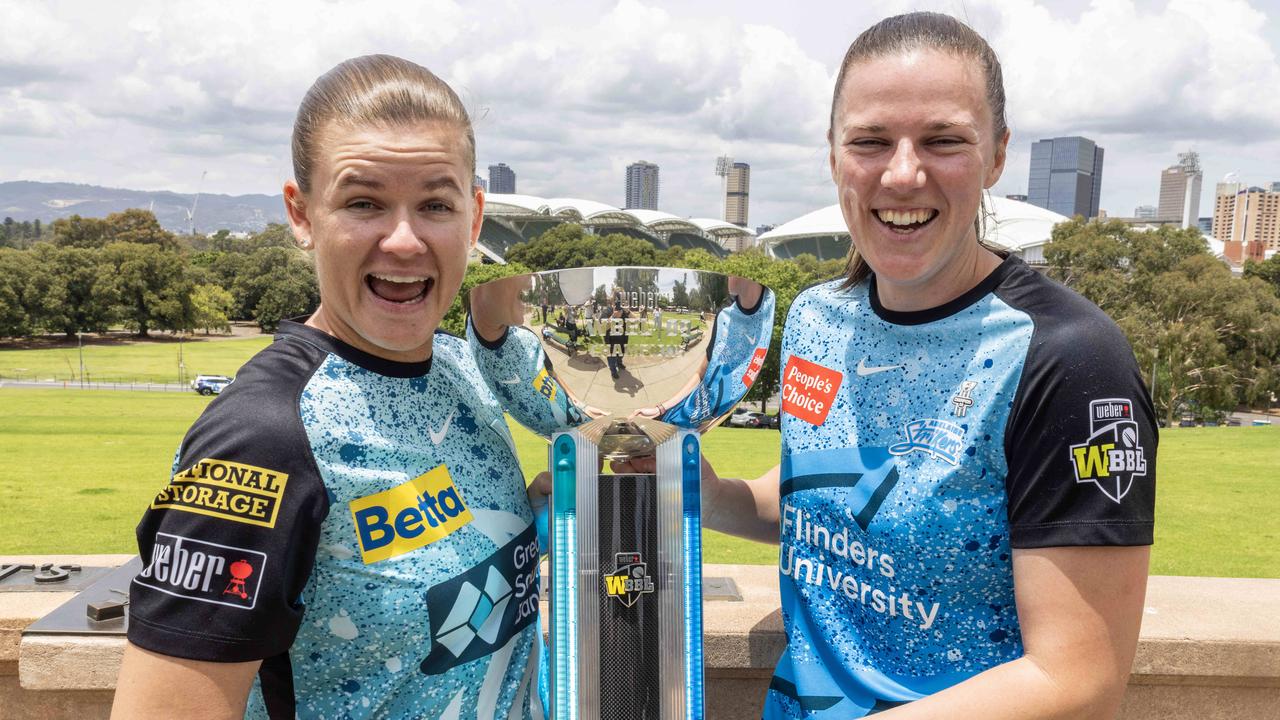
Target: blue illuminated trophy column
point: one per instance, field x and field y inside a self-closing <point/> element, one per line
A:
<point x="625" y="363"/>
<point x="674" y="687"/>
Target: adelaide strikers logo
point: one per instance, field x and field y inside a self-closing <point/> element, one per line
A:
<point x="630" y="580"/>
<point x="1112" y="456"/>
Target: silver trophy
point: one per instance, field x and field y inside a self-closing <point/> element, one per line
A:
<point x="612" y="363"/>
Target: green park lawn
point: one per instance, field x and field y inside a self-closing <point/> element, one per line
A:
<point x="77" y="468"/>
<point x="143" y="362"/>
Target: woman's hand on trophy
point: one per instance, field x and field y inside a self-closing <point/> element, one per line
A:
<point x="496" y="305"/>
<point x="539" y="501"/>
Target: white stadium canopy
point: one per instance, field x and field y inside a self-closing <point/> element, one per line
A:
<point x="1016" y="226"/>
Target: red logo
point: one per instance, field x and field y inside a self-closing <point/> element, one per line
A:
<point x="809" y="389"/>
<point x="240" y="571"/>
<point x="753" y="368"/>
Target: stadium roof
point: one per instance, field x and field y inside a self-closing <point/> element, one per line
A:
<point x="1014" y="226"/>
<point x="519" y="217"/>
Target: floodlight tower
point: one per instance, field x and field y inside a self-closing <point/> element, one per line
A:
<point x="724" y="164"/>
<point x="191" y="214"/>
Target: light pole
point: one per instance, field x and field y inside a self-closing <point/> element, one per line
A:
<point x="80" y="343"/>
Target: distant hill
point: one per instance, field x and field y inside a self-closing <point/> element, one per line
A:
<point x="24" y="200"/>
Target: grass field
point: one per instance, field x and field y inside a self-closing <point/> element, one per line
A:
<point x="155" y="361"/>
<point x="77" y="468"/>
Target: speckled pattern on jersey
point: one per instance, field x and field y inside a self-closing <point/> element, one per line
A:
<point x="516" y="370"/>
<point x="367" y="628"/>
<point x="895" y="559"/>
<point x="358" y="525"/>
<point x="738" y="335"/>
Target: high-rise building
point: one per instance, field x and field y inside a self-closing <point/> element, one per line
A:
<point x="1275" y="186"/>
<point x="642" y="186"/>
<point x="1066" y="176"/>
<point x="502" y="179"/>
<point x="1145" y="212"/>
<point x="737" y="194"/>
<point x="1247" y="215"/>
<point x="482" y="183"/>
<point x="1180" y="191"/>
<point x="1205" y="224"/>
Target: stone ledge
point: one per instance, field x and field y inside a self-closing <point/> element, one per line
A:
<point x="1191" y="635"/>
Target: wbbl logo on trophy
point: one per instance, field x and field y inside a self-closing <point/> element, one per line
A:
<point x="1112" y="456"/>
<point x="630" y="580"/>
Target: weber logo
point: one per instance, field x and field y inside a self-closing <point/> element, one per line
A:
<point x="204" y="571"/>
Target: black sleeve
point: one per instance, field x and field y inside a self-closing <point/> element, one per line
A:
<point x="1081" y="437"/>
<point x="228" y="544"/>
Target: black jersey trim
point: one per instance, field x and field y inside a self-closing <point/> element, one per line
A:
<point x="490" y="344"/>
<point x="330" y="344"/>
<point x="947" y="309"/>
<point x="205" y="647"/>
<point x="737" y="300"/>
<point x="1124" y="533"/>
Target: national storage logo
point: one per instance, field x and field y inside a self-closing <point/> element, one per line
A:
<point x="228" y="490"/>
<point x="409" y="516"/>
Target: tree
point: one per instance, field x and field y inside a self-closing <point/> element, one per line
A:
<point x="138" y="226"/>
<point x="78" y="289"/>
<point x="152" y="287"/>
<point x="210" y="305"/>
<point x="1212" y="340"/>
<point x="76" y="231"/>
<point x="19" y="308"/>
<point x="272" y="284"/>
<point x="569" y="246"/>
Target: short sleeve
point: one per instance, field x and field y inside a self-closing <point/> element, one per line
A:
<point x="228" y="544"/>
<point x="520" y="375"/>
<point x="1081" y="438"/>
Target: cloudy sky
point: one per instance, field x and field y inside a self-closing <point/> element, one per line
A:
<point x="150" y="95"/>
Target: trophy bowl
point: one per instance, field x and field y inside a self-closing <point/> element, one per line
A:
<point x="612" y="363"/>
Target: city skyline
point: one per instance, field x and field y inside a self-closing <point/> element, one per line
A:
<point x="572" y="92"/>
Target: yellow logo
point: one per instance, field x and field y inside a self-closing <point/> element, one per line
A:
<point x="545" y="385"/>
<point x="228" y="490"/>
<point x="409" y="516"/>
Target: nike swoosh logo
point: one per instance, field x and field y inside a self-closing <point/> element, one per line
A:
<point x="864" y="371"/>
<point x="438" y="437"/>
<point x="751" y="339"/>
<point x="514" y="380"/>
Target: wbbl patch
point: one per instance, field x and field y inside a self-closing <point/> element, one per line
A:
<point x="1112" y="456"/>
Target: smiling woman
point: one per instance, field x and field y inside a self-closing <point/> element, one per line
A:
<point x="964" y="518"/>
<point x="358" y="471"/>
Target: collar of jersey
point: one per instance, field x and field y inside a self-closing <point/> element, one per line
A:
<point x="947" y="309"/>
<point x="296" y="329"/>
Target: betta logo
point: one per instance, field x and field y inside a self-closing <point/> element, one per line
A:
<point x="1112" y="456"/>
<point x="411" y="515"/>
<point x="630" y="580"/>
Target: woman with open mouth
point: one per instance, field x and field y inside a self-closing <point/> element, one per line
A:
<point x="348" y="521"/>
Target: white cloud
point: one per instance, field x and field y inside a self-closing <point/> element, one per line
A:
<point x="569" y="93"/>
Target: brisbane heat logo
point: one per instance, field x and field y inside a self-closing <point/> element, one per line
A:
<point x="630" y="580"/>
<point x="1112" y="456"/>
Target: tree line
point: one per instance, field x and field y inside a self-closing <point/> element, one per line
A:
<point x="92" y="274"/>
<point x="1206" y="340"/>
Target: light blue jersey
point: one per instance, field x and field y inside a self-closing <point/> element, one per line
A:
<point x="397" y="576"/>
<point x="918" y="450"/>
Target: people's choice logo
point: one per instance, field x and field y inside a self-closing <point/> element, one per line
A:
<point x="753" y="367"/>
<point x="809" y="389"/>
<point x="1112" y="456"/>
<point x="409" y="516"/>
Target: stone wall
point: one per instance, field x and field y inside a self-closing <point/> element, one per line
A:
<point x="1209" y="650"/>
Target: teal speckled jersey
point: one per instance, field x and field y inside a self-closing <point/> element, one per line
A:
<point x="359" y="525"/>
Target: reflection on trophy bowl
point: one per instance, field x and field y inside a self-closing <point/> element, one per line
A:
<point x="625" y="354"/>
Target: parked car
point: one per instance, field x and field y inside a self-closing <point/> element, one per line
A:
<point x="752" y="419"/>
<point x="210" y="384"/>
